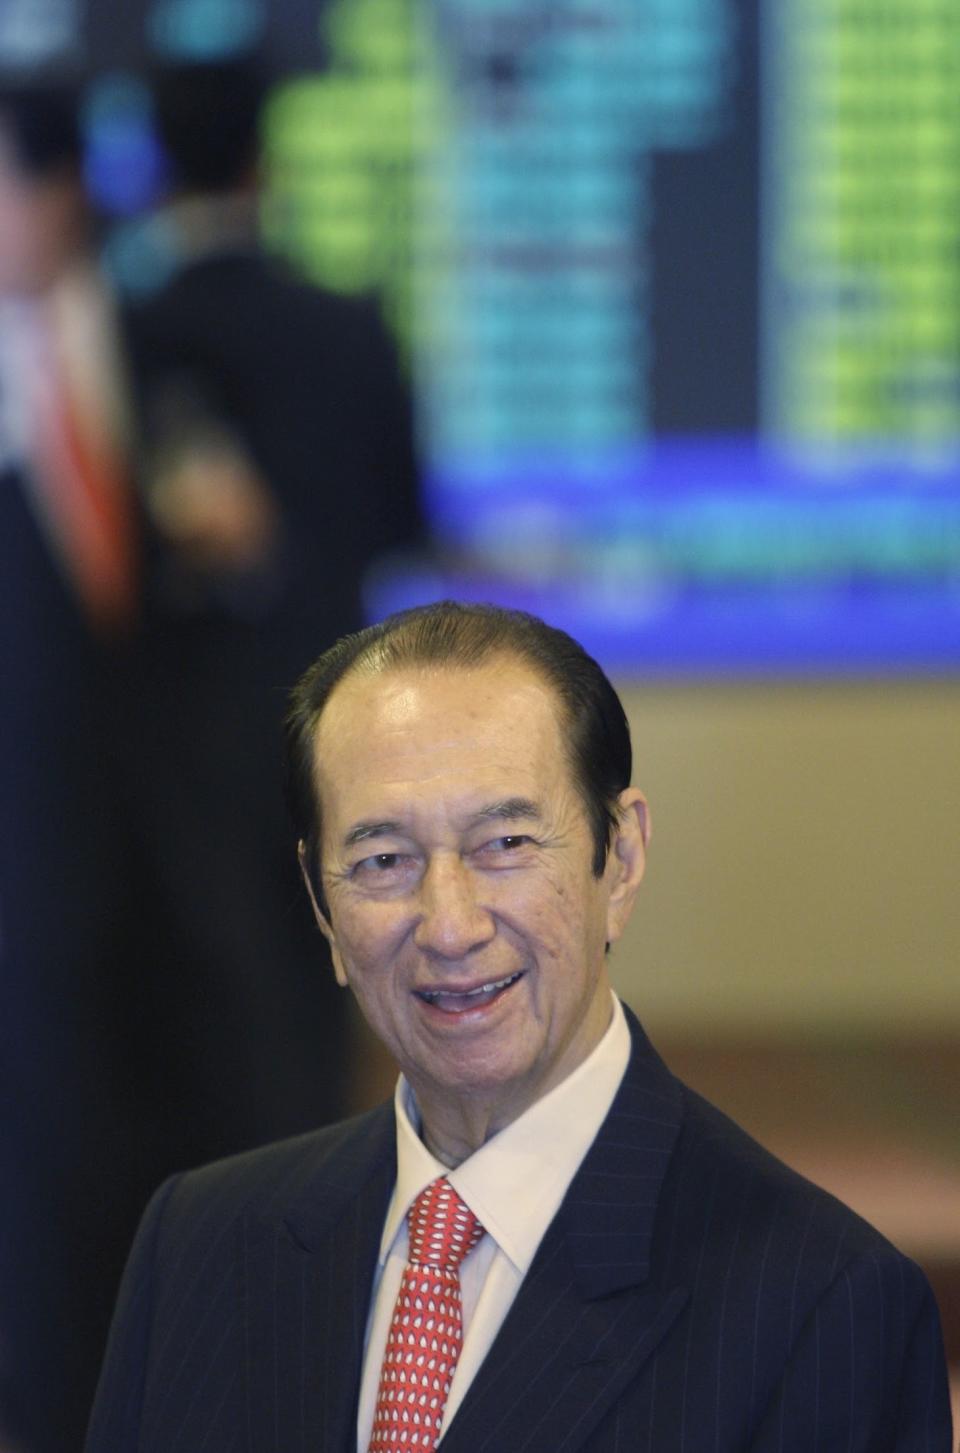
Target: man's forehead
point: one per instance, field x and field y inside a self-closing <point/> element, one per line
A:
<point x="396" y="690"/>
<point x="401" y="713"/>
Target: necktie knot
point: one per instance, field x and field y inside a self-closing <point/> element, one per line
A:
<point x="442" y="1227"/>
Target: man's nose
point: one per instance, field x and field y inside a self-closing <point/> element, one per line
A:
<point x="452" y="919"/>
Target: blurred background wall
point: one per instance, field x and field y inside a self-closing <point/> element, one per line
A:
<point x="803" y="876"/>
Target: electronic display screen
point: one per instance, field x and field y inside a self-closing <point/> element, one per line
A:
<point x="678" y="285"/>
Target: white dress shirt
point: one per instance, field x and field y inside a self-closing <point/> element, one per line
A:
<point x="514" y="1185"/>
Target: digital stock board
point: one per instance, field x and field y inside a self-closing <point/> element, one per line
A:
<point x="678" y="286"/>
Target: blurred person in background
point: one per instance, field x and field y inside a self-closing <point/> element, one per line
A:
<point x="68" y="572"/>
<point x="160" y="997"/>
<point x="277" y="460"/>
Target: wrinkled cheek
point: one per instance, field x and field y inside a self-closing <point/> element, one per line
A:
<point x="561" y="933"/>
<point x="375" y="978"/>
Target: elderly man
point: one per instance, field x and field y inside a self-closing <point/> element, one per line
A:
<point x="546" y="1242"/>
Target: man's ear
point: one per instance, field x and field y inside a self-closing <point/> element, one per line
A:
<point x="323" y="920"/>
<point x="627" y="860"/>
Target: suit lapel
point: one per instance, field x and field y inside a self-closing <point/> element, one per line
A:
<point x="588" y="1314"/>
<point x="307" y="1274"/>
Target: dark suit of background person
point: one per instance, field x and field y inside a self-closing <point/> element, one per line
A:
<point x="65" y="629"/>
<point x="691" y="1293"/>
<point x="278" y="459"/>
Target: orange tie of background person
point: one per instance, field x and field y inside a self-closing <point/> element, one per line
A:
<point x="85" y="495"/>
<point x="426" y="1333"/>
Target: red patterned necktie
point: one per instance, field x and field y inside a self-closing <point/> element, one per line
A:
<point x="426" y="1332"/>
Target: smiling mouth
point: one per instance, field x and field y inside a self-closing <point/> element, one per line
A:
<point x="454" y="1001"/>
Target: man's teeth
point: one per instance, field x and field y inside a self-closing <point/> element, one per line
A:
<point x="490" y="988"/>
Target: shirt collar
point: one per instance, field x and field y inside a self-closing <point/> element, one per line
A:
<point x="515" y="1182"/>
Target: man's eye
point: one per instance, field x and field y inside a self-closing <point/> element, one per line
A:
<point x="386" y="872"/>
<point x="509" y="843"/>
<point x="379" y="863"/>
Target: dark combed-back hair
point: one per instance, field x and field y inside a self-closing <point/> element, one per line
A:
<point x="208" y="117"/>
<point x="463" y="636"/>
<point x="41" y="120"/>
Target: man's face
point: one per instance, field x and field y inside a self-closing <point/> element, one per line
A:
<point x="456" y="861"/>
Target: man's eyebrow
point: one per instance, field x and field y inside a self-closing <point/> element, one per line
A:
<point x="508" y="809"/>
<point x="511" y="808"/>
<point x="364" y="830"/>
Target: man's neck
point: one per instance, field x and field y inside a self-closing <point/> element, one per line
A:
<point x="208" y="224"/>
<point x="453" y="1144"/>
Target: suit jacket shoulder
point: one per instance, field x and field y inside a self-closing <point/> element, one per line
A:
<point x="221" y="1257"/>
<point x="748" y="1196"/>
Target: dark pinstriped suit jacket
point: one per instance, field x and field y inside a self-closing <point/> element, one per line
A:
<point x="691" y="1294"/>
